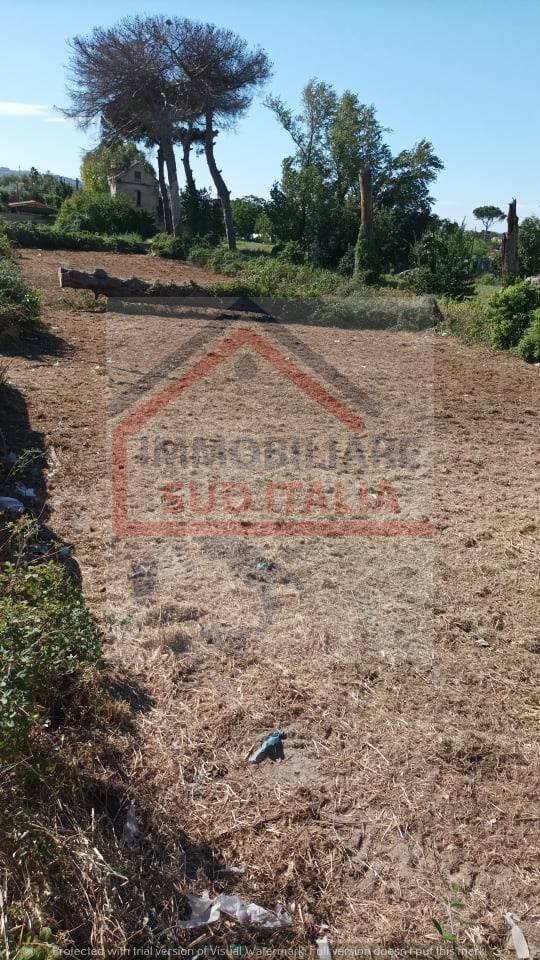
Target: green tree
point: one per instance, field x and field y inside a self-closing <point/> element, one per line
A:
<point x="529" y="246"/>
<point x="487" y="216"/>
<point x="444" y="262"/>
<point x="246" y="211"/>
<point x="355" y="141"/>
<point x="98" y="164"/>
<point x="101" y="213"/>
<point x="317" y="201"/>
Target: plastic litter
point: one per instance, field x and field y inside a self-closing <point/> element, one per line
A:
<point x="132" y="831"/>
<point x="271" y="748"/>
<point x="11" y="505"/>
<point x="41" y="549"/>
<point x="263" y="565"/>
<point x="205" y="911"/>
<point x="27" y="492"/>
<point x="323" y="949"/>
<point x="519" y="943"/>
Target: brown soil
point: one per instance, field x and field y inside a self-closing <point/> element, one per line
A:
<point x="410" y="783"/>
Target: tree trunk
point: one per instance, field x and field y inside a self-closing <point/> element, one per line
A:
<point x="509" y="250"/>
<point x="164" y="193"/>
<point x="222" y="192"/>
<point x="191" y="189"/>
<point x="186" y="150"/>
<point x="174" y="190"/>
<point x="102" y="284"/>
<point x="366" y="202"/>
<point x="364" y="260"/>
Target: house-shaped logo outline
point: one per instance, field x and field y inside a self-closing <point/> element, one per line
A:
<point x="201" y="369"/>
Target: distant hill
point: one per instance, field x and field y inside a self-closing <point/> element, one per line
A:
<point x="6" y="172"/>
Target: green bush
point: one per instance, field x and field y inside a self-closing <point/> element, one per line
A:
<point x="220" y="259"/>
<point x="510" y="313"/>
<point x="165" y="245"/>
<point x="266" y="276"/>
<point x="100" y="213"/>
<point x="47" y="637"/>
<point x="46" y="237"/>
<point x="19" y="303"/>
<point x="227" y="262"/>
<point x="466" y="319"/>
<point x="529" y="245"/>
<point x="529" y="346"/>
<point x="6" y="250"/>
<point x="444" y="263"/>
<point x="290" y="252"/>
<point x="200" y="254"/>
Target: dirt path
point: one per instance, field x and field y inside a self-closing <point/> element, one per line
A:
<point x="407" y="784"/>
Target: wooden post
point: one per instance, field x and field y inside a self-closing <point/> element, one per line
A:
<point x="509" y="249"/>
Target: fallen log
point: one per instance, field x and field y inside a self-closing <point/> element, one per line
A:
<point x="103" y="285"/>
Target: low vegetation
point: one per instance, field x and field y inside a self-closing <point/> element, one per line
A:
<point x="50" y="650"/>
<point x="19" y="303"/>
<point x="47" y="641"/>
<point x="168" y="246"/>
<point x="45" y="237"/>
<point x="90" y="212"/>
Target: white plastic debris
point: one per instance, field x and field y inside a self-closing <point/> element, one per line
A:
<point x="28" y="492"/>
<point x="11" y="505"/>
<point x="323" y="949"/>
<point x="205" y="910"/>
<point x="519" y="943"/>
<point x="132" y="831"/>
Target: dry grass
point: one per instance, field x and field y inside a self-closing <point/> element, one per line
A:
<point x="409" y="789"/>
<point x="399" y="796"/>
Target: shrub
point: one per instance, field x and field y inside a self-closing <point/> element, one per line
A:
<point x="47" y="237"/>
<point x="6" y="250"/>
<point x="84" y="300"/>
<point x="19" y="303"/>
<point x="529" y="245"/>
<point x="165" y="245"/>
<point x="100" y="213"/>
<point x="225" y="261"/>
<point x="47" y="637"/>
<point x="345" y="267"/>
<point x="266" y="276"/>
<point x="466" y="319"/>
<point x="529" y="346"/>
<point x="200" y="254"/>
<point x="220" y="259"/>
<point x="510" y="313"/>
<point x="290" y="252"/>
<point x="444" y="263"/>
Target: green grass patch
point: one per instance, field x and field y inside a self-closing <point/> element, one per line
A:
<point x="48" y="639"/>
<point x="20" y="305"/>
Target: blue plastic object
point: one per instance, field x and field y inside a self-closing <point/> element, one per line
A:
<point x="271" y="748"/>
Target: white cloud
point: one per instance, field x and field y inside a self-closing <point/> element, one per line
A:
<point x="41" y="111"/>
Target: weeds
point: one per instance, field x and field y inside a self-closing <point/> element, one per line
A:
<point x="20" y="305"/>
<point x="27" y="459"/>
<point x="47" y="237"/>
<point x="84" y="300"/>
<point x="48" y="639"/>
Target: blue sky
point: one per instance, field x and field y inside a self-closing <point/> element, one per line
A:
<point x="463" y="73"/>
